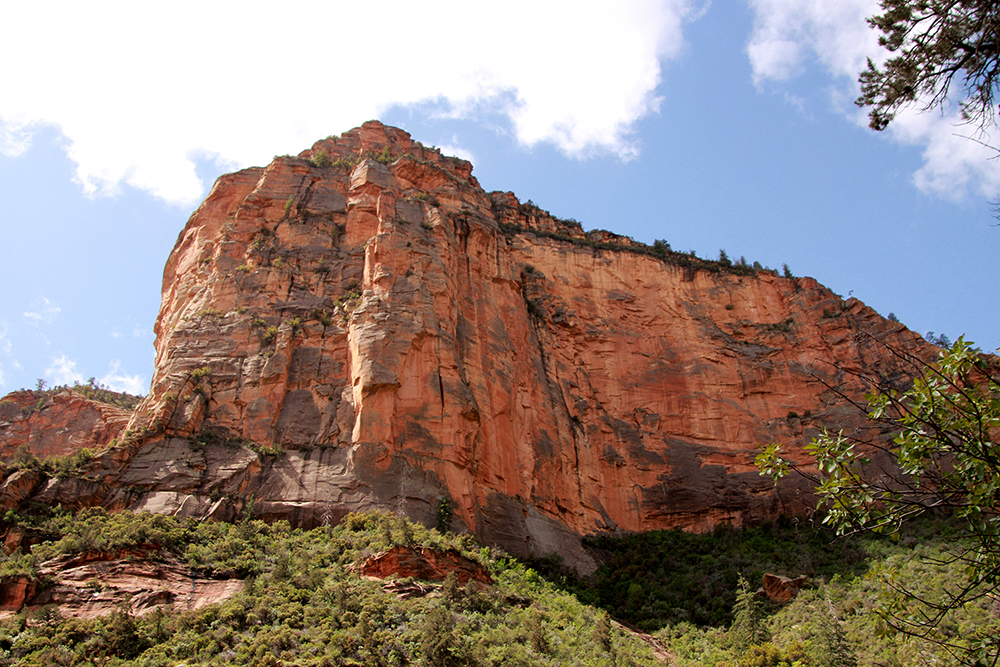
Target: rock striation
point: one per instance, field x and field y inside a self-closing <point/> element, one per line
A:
<point x="56" y="425"/>
<point x="362" y="326"/>
<point x="97" y="583"/>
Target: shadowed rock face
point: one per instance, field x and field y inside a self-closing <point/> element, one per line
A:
<point x="382" y="333"/>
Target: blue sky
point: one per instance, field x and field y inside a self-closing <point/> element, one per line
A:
<point x="711" y="125"/>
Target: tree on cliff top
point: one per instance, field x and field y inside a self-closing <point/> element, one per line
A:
<point x="932" y="42"/>
<point x="945" y="454"/>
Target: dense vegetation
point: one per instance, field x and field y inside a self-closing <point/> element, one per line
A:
<point x="945" y="457"/>
<point x="660" y="578"/>
<point x="687" y="589"/>
<point x="303" y="604"/>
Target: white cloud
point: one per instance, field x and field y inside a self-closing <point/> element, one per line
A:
<point x="15" y="140"/>
<point x="138" y="332"/>
<point x="62" y="371"/>
<point x="118" y="381"/>
<point x="43" y="310"/>
<point x="954" y="163"/>
<point x="788" y="34"/>
<point x="455" y="150"/>
<point x="140" y="93"/>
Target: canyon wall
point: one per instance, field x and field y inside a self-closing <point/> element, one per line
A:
<point x="362" y="326"/>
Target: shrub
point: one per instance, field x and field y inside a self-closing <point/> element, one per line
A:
<point x="321" y="159"/>
<point x="444" y="515"/>
<point x="346" y="161"/>
<point x="385" y="157"/>
<point x="321" y="316"/>
<point x="439" y="645"/>
<point x="425" y="197"/>
<point x="748" y="619"/>
<point x="274" y="449"/>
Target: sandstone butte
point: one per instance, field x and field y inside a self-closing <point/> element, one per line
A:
<point x="374" y="330"/>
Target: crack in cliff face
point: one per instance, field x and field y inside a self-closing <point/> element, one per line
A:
<point x="577" y="381"/>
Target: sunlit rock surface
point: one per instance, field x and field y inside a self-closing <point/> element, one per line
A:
<point x="362" y="326"/>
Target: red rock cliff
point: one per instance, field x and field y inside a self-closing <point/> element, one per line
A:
<point x="363" y="326"/>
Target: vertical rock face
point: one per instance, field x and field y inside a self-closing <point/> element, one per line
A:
<point x="363" y="326"/>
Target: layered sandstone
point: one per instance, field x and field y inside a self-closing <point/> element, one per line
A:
<point x="362" y="326"/>
<point x="97" y="583"/>
<point x="59" y="424"/>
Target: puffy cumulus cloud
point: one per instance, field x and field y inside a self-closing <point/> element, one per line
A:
<point x="141" y="91"/>
<point x="62" y="370"/>
<point x="116" y="380"/>
<point x="955" y="160"/>
<point x="788" y="34"/>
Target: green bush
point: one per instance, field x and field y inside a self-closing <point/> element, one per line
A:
<point x="321" y="159"/>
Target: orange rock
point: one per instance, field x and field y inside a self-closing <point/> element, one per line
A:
<point x="382" y="333"/>
<point x="782" y="589"/>
<point x="14" y="591"/>
<point x="56" y="425"/>
<point x="423" y="563"/>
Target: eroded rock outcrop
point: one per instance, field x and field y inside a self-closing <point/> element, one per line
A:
<point x="362" y="326"/>
<point x="59" y="424"/>
<point x="782" y="589"/>
<point x="96" y="583"/>
<point x="423" y="563"/>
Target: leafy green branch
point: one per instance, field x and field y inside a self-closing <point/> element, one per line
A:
<point x="943" y="456"/>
